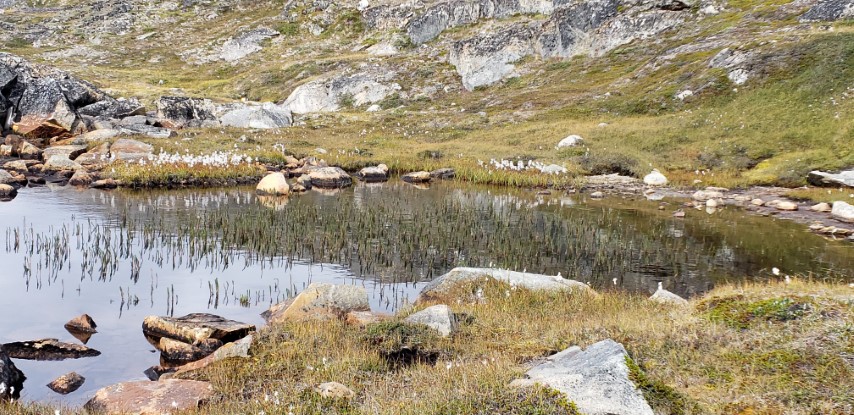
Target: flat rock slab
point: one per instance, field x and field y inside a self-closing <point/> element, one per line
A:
<point x="48" y="349"/>
<point x="150" y="398"/>
<point x="820" y="178"/>
<point x="596" y="379"/>
<point x="196" y="327"/>
<point x="461" y="275"/>
<point x="320" y="301"/>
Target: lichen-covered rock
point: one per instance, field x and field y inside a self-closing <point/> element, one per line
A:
<point x="320" y="301"/>
<point x="374" y="174"/>
<point x="440" y="287"/>
<point x="130" y="150"/>
<point x="10" y="376"/>
<point x="595" y="379"/>
<point x="97" y="155"/>
<point x="331" y="94"/>
<point x="417" y="177"/>
<point x="196" y="327"/>
<point x="59" y="163"/>
<point x="69" y="151"/>
<point x="67" y="383"/>
<point x="48" y="349"/>
<point x="570" y="141"/>
<point x="829" y="10"/>
<point x="186" y="112"/>
<point x="655" y="178"/>
<point x="820" y="178"/>
<point x="150" y="398"/>
<point x="260" y="116"/>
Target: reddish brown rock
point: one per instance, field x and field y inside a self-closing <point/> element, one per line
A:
<point x="82" y="323"/>
<point x="150" y="398"/>
<point x="67" y="383"/>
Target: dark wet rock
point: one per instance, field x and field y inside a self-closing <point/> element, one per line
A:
<point x="320" y="301"/>
<point x="11" y="378"/>
<point x="374" y="174"/>
<point x="597" y="379"/>
<point x="69" y="151"/>
<point x="186" y="112"/>
<point x="443" y="173"/>
<point x="48" y="349"/>
<point x="329" y="177"/>
<point x="154" y="373"/>
<point x="150" y="398"/>
<point x="417" y="177"/>
<point x="82" y="323"/>
<point x="438" y="317"/>
<point x="820" y="178"/>
<point x="829" y="10"/>
<point x="146" y="130"/>
<point x="104" y="184"/>
<point x="196" y="327"/>
<point x="130" y="150"/>
<point x="67" y="383"/>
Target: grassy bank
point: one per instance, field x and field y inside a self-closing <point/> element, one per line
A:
<point x="769" y="348"/>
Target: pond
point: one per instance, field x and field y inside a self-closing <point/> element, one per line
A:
<point x="122" y="255"/>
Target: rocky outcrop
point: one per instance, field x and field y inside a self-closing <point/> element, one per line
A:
<point x="245" y="43"/>
<point x="254" y="115"/>
<point x="366" y="87"/>
<point x="48" y="349"/>
<point x="320" y="301"/>
<point x="150" y="398"/>
<point x="11" y="378"/>
<point x="595" y="379"/>
<point x="829" y="10"/>
<point x="440" y="287"/>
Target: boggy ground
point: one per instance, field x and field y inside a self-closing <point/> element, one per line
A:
<point x="764" y="348"/>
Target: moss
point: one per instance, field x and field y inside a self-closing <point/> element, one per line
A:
<point x="403" y="344"/>
<point x="661" y="397"/>
<point x="740" y="313"/>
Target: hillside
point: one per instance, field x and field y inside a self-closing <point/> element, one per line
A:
<point x="736" y="93"/>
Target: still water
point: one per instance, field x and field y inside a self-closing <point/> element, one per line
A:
<point x="120" y="256"/>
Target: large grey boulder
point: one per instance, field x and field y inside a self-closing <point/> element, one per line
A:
<point x="595" y="379"/>
<point x="327" y="95"/>
<point x="113" y="108"/>
<point x="320" y="301"/>
<point x="829" y="10"/>
<point x="820" y="178"/>
<point x="186" y="112"/>
<point x="537" y="282"/>
<point x="146" y="130"/>
<point x="150" y="398"/>
<point x="842" y="211"/>
<point x="438" y="317"/>
<point x="11" y="378"/>
<point x="261" y="116"/>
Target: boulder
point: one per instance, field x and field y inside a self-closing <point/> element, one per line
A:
<point x="304" y="180"/>
<point x="655" y="178"/>
<point x="130" y="150"/>
<point x="150" y="398"/>
<point x="60" y="163"/>
<point x="444" y="173"/>
<point x="113" y="108"/>
<point x="757" y="202"/>
<point x="320" y="301"/>
<point x="177" y="351"/>
<point x="239" y="349"/>
<point x="441" y="286"/>
<point x="273" y="184"/>
<point x="666" y="297"/>
<point x="70" y="151"/>
<point x="821" y="207"/>
<point x="334" y="390"/>
<point x="44" y="111"/>
<point x="843" y="178"/>
<point x="10" y="376"/>
<point x="196" y="327"/>
<point x="842" y="212"/>
<point x="186" y="112"/>
<point x="595" y="379"/>
<point x="786" y="205"/>
<point x="327" y="95"/>
<point x="82" y="324"/>
<point x="438" y="317"/>
<point x="67" y="383"/>
<point x="329" y="177"/>
<point x="417" y="177"/>
<point x="374" y="174"/>
<point x="263" y="116"/>
<point x="570" y="141"/>
<point x="48" y="349"/>
<point x="97" y="155"/>
<point x="363" y="318"/>
<point x="80" y="178"/>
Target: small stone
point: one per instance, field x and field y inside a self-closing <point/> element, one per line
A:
<point x="655" y="178"/>
<point x="82" y="323"/>
<point x="787" y="205"/>
<point x="821" y="207"/>
<point x="67" y="383"/>
<point x="679" y="214"/>
<point x="334" y="390"/>
<point x="703" y="195"/>
<point x="712" y="203"/>
<point x="757" y="202"/>
<point x="666" y="297"/>
<point x="438" y="317"/>
<point x="417" y="177"/>
<point x="597" y="195"/>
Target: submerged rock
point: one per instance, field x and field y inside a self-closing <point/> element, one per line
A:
<point x="320" y="301"/>
<point x="67" y="383"/>
<point x="10" y="376"/>
<point x="150" y="398"/>
<point x="437" y="317"/>
<point x="48" y="349"/>
<point x="666" y="297"/>
<point x="441" y="286"/>
<point x="595" y="379"/>
<point x="273" y="184"/>
<point x="196" y="327"/>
